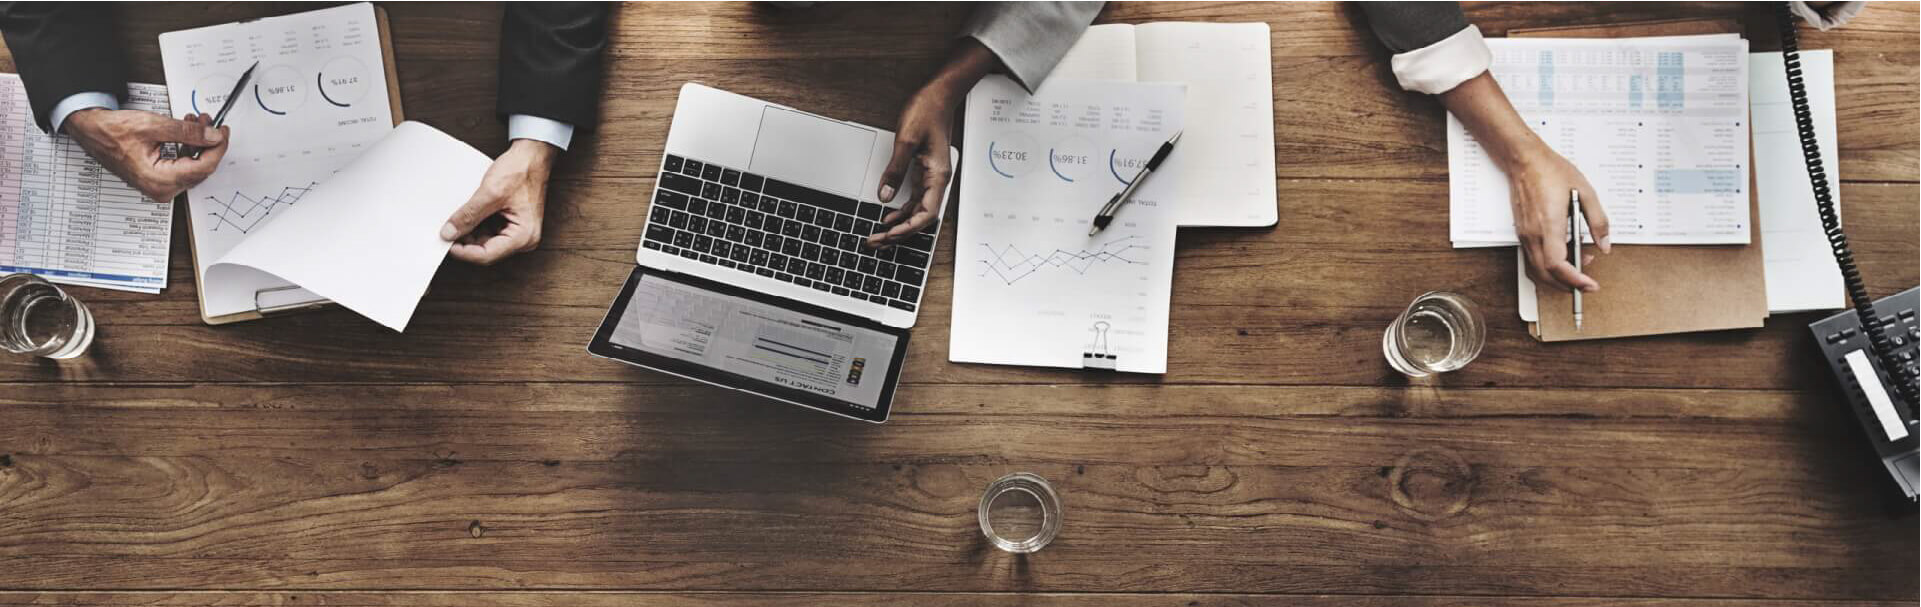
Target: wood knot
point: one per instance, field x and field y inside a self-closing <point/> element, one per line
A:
<point x="1188" y="479"/>
<point x="1431" y="484"/>
<point x="475" y="529"/>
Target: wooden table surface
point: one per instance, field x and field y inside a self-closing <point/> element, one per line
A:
<point x="321" y="459"/>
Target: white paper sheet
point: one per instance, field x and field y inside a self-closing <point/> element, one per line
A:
<point x="1801" y="273"/>
<point x="1226" y="156"/>
<point x="1659" y="126"/>
<point x="1031" y="287"/>
<point x="370" y="240"/>
<point x="318" y="99"/>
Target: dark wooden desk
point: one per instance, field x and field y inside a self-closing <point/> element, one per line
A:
<point x="321" y="459"/>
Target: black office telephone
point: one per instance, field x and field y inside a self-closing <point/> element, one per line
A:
<point x="1871" y="349"/>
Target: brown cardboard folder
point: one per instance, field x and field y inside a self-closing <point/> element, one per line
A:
<point x="1652" y="290"/>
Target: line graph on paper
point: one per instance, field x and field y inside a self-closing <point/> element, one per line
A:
<point x="1010" y="264"/>
<point x="244" y="212"/>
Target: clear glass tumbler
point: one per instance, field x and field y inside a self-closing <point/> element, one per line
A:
<point x="1439" y="332"/>
<point x="42" y="320"/>
<point x="1020" y="513"/>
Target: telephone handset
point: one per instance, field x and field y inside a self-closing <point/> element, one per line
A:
<point x="1871" y="349"/>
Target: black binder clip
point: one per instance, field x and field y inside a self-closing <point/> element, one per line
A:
<point x="1097" y="356"/>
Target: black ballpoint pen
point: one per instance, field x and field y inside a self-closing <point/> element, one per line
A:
<point x="241" y="85"/>
<point x="1106" y="216"/>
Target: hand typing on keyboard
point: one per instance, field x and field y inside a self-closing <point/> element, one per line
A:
<point x="922" y="138"/>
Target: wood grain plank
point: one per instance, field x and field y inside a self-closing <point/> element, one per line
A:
<point x="850" y="599"/>
<point x="240" y="520"/>
<point x="1235" y="426"/>
<point x="971" y="400"/>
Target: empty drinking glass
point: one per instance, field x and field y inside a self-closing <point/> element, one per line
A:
<point x="1439" y="332"/>
<point x="42" y="320"/>
<point x="1020" y="513"/>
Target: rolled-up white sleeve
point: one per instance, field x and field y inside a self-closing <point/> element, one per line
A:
<point x="1438" y="68"/>
<point x="523" y="126"/>
<point x="80" y="101"/>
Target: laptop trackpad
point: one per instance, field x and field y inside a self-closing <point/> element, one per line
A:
<point x="812" y="151"/>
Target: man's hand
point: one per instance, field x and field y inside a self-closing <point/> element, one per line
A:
<point x="1538" y="188"/>
<point x="1539" y="181"/>
<point x="922" y="138"/>
<point x="128" y="143"/>
<point x="503" y="216"/>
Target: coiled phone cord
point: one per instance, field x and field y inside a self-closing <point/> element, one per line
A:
<point x="1830" y="218"/>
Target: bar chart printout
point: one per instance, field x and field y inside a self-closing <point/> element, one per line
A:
<point x="65" y="218"/>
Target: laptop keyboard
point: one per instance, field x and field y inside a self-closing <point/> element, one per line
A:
<point x="741" y="221"/>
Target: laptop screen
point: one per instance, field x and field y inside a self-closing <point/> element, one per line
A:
<point x="738" y="339"/>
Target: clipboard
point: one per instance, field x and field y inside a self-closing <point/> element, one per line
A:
<point x="275" y="301"/>
<point x="1656" y="289"/>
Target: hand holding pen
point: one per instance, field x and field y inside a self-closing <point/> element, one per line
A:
<point x="227" y="106"/>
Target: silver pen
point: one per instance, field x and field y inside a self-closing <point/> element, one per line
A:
<point x="1106" y="216"/>
<point x="239" y="85"/>
<point x="1574" y="227"/>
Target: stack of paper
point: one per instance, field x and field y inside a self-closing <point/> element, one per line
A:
<point x="1801" y="273"/>
<point x="1658" y="125"/>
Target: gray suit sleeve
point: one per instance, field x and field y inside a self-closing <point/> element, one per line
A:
<point x="1405" y="26"/>
<point x="1030" y="37"/>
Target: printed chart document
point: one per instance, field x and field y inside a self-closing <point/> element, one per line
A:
<point x="65" y="218"/>
<point x="318" y="99"/>
<point x="1801" y="271"/>
<point x="736" y="335"/>
<point x="369" y="240"/>
<point x="1658" y="125"/>
<point x="1226" y="157"/>
<point x="1031" y="287"/>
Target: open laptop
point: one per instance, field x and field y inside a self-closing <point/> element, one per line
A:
<point x="753" y="270"/>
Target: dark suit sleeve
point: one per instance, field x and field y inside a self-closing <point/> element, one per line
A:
<point x="62" y="48"/>
<point x="550" y="60"/>
<point x="1405" y="26"/>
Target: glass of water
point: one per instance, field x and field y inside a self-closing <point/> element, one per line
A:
<point x="1439" y="332"/>
<point x="42" y="320"/>
<point x="1020" y="513"/>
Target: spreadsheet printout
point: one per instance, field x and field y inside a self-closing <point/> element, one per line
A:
<point x="1659" y="127"/>
<point x="65" y="218"/>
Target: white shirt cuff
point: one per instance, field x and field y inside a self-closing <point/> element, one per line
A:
<point x="80" y="101"/>
<point x="522" y="126"/>
<point x="1438" y="68"/>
